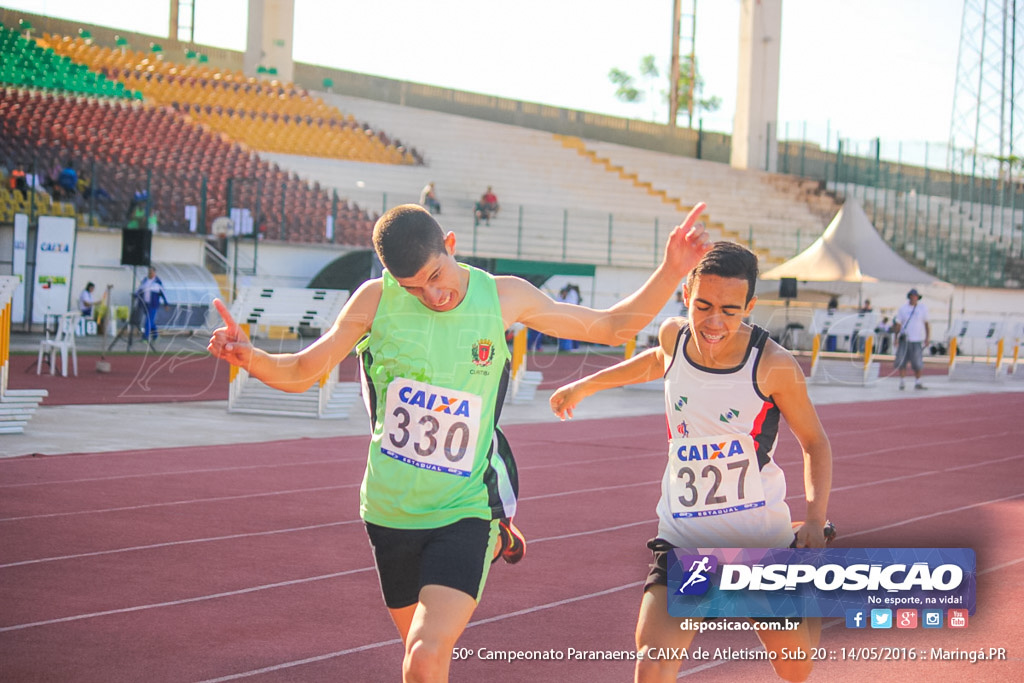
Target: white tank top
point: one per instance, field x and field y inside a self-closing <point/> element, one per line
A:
<point x="721" y="487"/>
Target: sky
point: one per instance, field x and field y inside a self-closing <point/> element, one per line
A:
<point x="859" y="69"/>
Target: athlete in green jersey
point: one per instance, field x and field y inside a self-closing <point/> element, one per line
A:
<point x="439" y="477"/>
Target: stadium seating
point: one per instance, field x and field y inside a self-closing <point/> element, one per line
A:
<point x="265" y="115"/>
<point x="25" y="62"/>
<point x="125" y="147"/>
<point x="570" y="205"/>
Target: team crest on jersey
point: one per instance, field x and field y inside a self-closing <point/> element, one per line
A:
<point x="482" y="352"/>
<point x="728" y="415"/>
<point x="683" y="400"/>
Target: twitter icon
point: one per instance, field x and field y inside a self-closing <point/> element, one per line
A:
<point x="881" y="618"/>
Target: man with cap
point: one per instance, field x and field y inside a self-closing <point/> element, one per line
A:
<point x="912" y="335"/>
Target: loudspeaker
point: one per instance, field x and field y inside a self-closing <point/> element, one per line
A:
<point x="787" y="288"/>
<point x="135" y="246"/>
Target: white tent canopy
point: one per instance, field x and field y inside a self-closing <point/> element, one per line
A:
<point x="850" y="250"/>
<point x="852" y="261"/>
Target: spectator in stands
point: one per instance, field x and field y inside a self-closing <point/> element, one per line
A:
<point x="68" y="181"/>
<point x="487" y="207"/>
<point x="99" y="199"/>
<point x="17" y="180"/>
<point x="137" y="209"/>
<point x="428" y="198"/>
<point x="833" y="304"/>
<point x="148" y="297"/>
<point x="912" y="334"/>
<point x="866" y="308"/>
<point x="48" y="181"/>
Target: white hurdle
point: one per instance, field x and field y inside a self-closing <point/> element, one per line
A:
<point x="854" y="367"/>
<point x="990" y="333"/>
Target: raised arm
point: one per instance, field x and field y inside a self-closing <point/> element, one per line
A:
<point x="781" y="377"/>
<point x="522" y="302"/>
<point x="643" y="367"/>
<point x="296" y="372"/>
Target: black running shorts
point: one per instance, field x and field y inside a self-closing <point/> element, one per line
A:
<point x="457" y="556"/>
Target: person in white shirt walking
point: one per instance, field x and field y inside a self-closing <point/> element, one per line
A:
<point x="912" y="334"/>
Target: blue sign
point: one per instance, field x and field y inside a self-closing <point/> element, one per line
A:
<point x="806" y="582"/>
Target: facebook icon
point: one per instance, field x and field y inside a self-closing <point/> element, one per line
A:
<point x="856" y="618"/>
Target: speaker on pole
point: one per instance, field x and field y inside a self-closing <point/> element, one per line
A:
<point x="787" y="288"/>
<point x="135" y="246"/>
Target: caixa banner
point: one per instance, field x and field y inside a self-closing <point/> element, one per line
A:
<point x="785" y="582"/>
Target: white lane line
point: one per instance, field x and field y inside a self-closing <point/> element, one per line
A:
<point x="277" y="531"/>
<point x="183" y="601"/>
<point x="933" y="515"/>
<point x="915" y="475"/>
<point x="398" y="641"/>
<point x="704" y="667"/>
<point x="191" y="501"/>
<point x="173" y="473"/>
<point x="168" y="544"/>
<point x="333" y="461"/>
<point x="539" y="540"/>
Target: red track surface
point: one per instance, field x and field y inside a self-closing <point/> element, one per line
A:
<point x="191" y="374"/>
<point x="249" y="562"/>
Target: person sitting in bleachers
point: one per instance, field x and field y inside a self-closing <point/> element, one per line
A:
<point x="487" y="207"/>
<point x="18" y="183"/>
<point x="68" y="181"/>
<point x="428" y="198"/>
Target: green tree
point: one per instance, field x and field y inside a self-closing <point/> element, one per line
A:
<point x="627" y="90"/>
<point x="700" y="104"/>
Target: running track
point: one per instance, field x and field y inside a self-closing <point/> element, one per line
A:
<point x="250" y="563"/>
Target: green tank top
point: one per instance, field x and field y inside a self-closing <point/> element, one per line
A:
<point x="433" y="383"/>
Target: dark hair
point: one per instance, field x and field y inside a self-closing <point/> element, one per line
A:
<point x="727" y="259"/>
<point x="89" y="285"/>
<point x="405" y="238"/>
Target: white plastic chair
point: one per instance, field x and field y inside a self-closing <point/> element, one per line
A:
<point x="63" y="342"/>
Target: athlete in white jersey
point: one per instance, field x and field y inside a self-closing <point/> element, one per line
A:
<point x="726" y="386"/>
<point x="720" y="481"/>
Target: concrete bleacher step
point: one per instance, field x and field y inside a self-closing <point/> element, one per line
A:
<point x="524" y="387"/>
<point x="24" y="395"/>
<point x="973" y="372"/>
<point x="345" y="395"/>
<point x="13" y="427"/>
<point x="17" y="407"/>
<point x="255" y="397"/>
<point x="848" y="372"/>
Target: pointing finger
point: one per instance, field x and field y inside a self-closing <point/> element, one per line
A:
<point x="694" y="215"/>
<point x="229" y="322"/>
